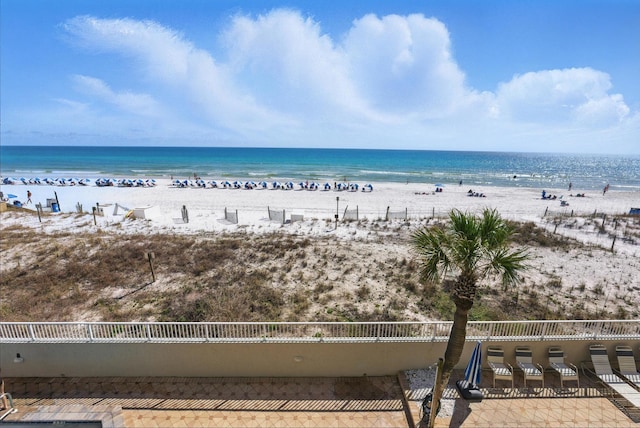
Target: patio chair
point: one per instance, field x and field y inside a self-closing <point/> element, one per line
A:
<point x="500" y="369"/>
<point x="602" y="367"/>
<point x="532" y="371"/>
<point x="566" y="371"/>
<point x="627" y="364"/>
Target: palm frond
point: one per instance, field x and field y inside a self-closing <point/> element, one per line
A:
<point x="432" y="246"/>
<point x="508" y="264"/>
<point x="493" y="230"/>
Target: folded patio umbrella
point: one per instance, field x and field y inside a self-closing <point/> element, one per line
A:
<point x="469" y="387"/>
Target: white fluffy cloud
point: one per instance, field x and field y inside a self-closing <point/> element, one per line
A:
<point x="403" y="65"/>
<point x="139" y="104"/>
<point x="166" y="58"/>
<point x="576" y="94"/>
<point x="390" y="81"/>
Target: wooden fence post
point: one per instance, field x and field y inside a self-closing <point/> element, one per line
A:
<point x="151" y="256"/>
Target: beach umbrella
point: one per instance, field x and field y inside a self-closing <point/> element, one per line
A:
<point x="469" y="387"/>
<point x="11" y="196"/>
<point x="473" y="373"/>
<point x="439" y="185"/>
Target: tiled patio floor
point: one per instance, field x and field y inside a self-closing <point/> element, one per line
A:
<point x="216" y="402"/>
<point x="301" y="402"/>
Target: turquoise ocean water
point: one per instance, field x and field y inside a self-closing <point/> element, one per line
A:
<point x="447" y="167"/>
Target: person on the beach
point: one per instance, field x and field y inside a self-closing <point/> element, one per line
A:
<point x="28" y="197"/>
<point x="570" y="186"/>
<point x="606" y="188"/>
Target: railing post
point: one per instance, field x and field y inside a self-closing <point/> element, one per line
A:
<point x="32" y="334"/>
<point x="89" y="332"/>
<point x="148" y="329"/>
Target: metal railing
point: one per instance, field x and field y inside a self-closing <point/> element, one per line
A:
<point x="312" y="332"/>
<point x="10" y="408"/>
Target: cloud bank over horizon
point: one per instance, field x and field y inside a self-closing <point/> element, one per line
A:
<point x="277" y="79"/>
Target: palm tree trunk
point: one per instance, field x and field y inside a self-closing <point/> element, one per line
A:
<point x="455" y="345"/>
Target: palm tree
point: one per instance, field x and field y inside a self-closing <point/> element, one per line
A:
<point x="471" y="248"/>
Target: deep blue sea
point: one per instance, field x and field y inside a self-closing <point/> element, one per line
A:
<point x="446" y="167"/>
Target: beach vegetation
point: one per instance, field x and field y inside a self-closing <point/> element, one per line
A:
<point x="470" y="248"/>
<point x="529" y="234"/>
<point x="103" y="274"/>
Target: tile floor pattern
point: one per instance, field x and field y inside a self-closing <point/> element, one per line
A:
<point x="222" y="402"/>
<point x="303" y="402"/>
<point x="534" y="407"/>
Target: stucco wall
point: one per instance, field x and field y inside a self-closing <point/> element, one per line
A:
<point x="253" y="360"/>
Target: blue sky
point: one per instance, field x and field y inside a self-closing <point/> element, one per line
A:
<point x="542" y="76"/>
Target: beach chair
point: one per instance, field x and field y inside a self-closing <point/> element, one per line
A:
<point x="532" y="371"/>
<point x="566" y="371"/>
<point x="627" y="364"/>
<point x="603" y="371"/>
<point x="500" y="369"/>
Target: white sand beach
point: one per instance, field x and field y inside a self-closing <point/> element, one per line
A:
<point x="611" y="276"/>
<point x="206" y="206"/>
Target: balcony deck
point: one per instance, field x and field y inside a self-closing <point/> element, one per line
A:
<point x="384" y="401"/>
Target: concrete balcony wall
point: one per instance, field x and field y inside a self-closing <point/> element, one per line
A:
<point x="259" y="359"/>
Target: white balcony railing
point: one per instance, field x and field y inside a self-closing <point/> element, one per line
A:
<point x="312" y="332"/>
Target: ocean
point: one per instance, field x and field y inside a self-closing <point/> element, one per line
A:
<point x="585" y="172"/>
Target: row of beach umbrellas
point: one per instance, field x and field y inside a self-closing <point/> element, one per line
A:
<point x="274" y="185"/>
<point x="59" y="181"/>
<point x="125" y="182"/>
<point x="100" y="182"/>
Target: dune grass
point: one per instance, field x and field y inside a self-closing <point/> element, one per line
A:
<point x="105" y="276"/>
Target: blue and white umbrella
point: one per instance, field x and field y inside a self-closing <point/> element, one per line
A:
<point x="469" y="388"/>
<point x="473" y="373"/>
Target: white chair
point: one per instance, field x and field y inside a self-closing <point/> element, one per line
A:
<point x="603" y="371"/>
<point x="627" y="364"/>
<point x="557" y="363"/>
<point x="500" y="369"/>
<point x="532" y="371"/>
